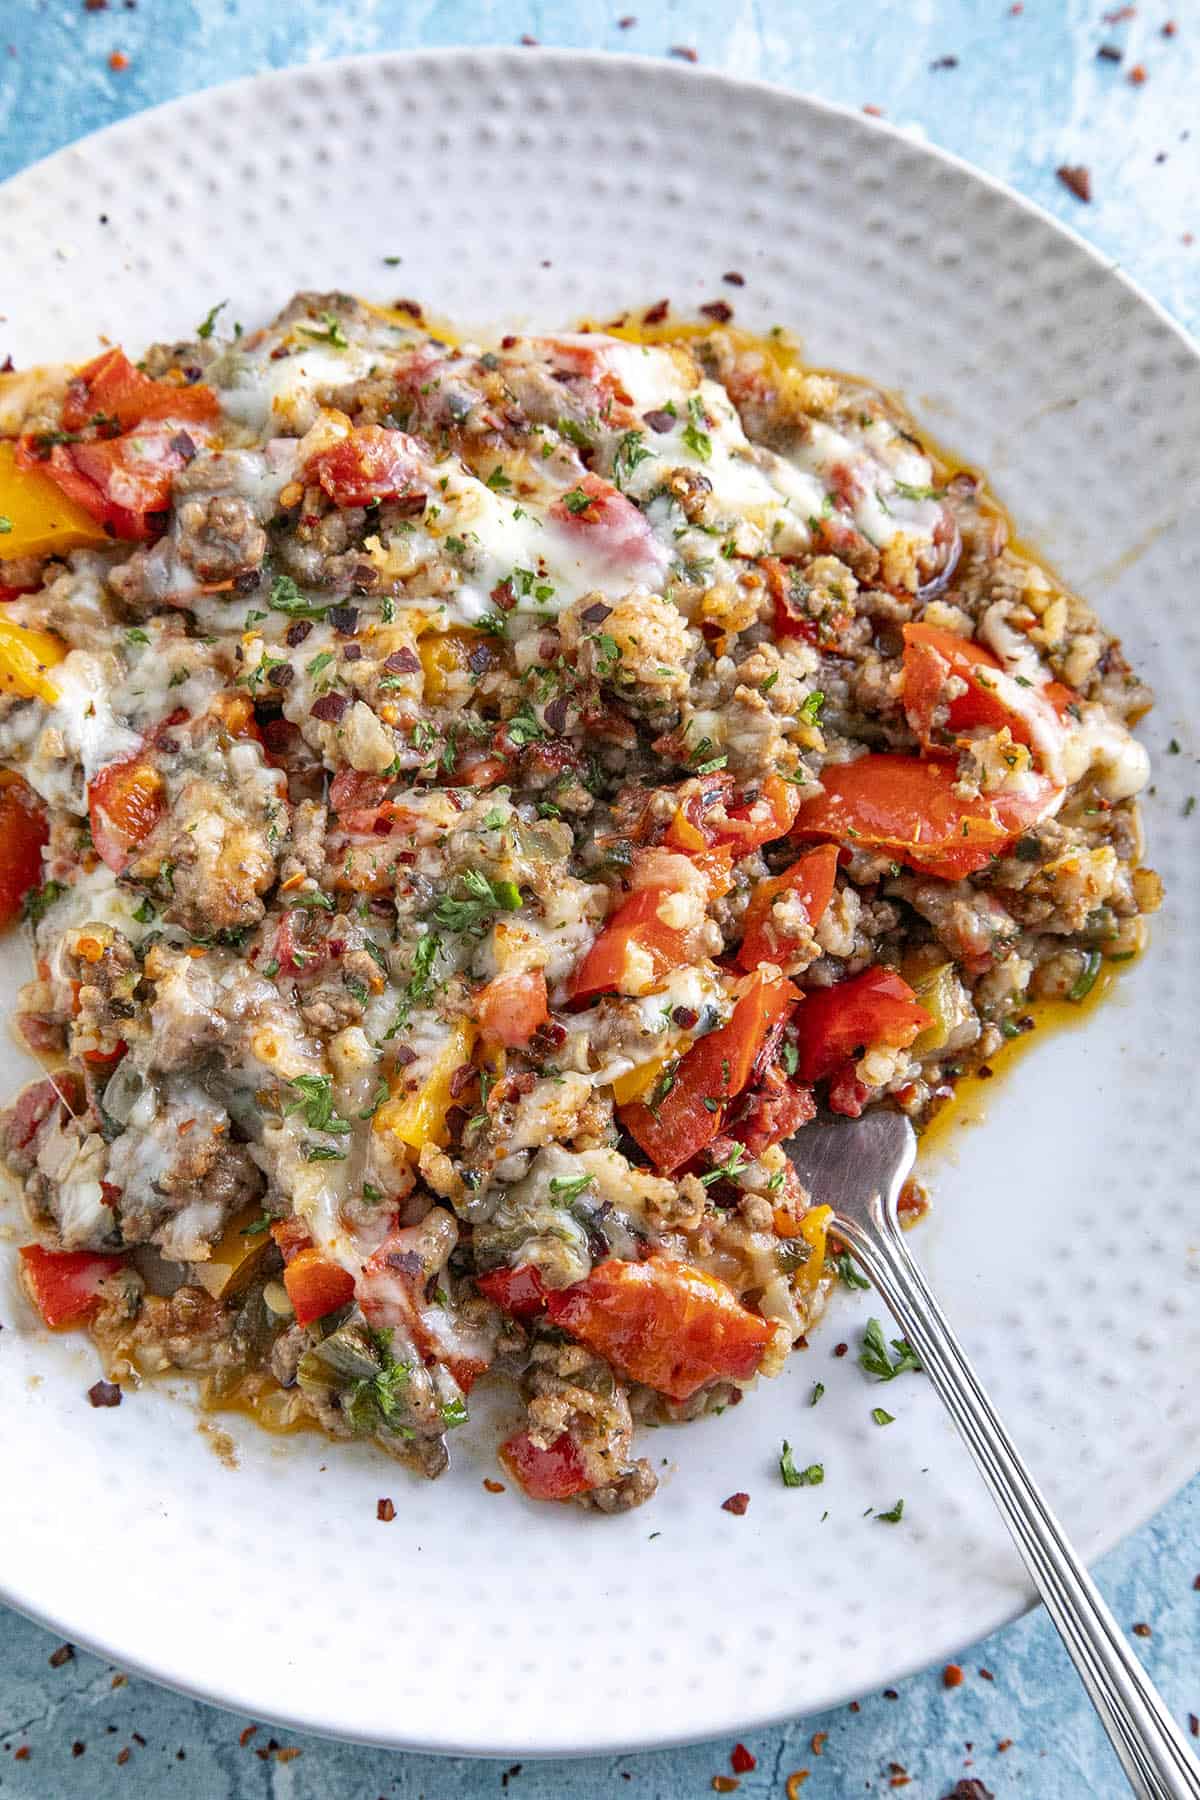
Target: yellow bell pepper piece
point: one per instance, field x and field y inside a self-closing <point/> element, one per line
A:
<point x="446" y="658"/>
<point x="419" y="1118"/>
<point x="25" y="655"/>
<point x="938" y="992"/>
<point x="41" y="520"/>
<point x="238" y="1255"/>
<point x="634" y="1084"/>
<point x="813" y="1228"/>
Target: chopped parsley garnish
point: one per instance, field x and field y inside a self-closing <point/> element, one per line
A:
<point x="205" y="328"/>
<point x="144" y="912"/>
<point x="39" y="900"/>
<point x="377" y="1099"/>
<point x="907" y="492"/>
<point x="577" y="502"/>
<point x="810" y="712"/>
<point x="630" y="451"/>
<point x="328" y="332"/>
<point x="315" y="1100"/>
<point x="882" y="1418"/>
<point x="323" y="1153"/>
<point x="473" y="909"/>
<point x="494" y="820"/>
<point x="712" y="765"/>
<point x="733" y="1165"/>
<point x="454" y="1412"/>
<point x="894" y="1516"/>
<point x="371" y="1194"/>
<point x="524" y="727"/>
<point x="876" y="1360"/>
<point x="813" y="1476"/>
<point x="313" y="900"/>
<point x="569" y="1187"/>
<point x="6" y="525"/>
<point x="285" y="597"/>
<point x="610" y="654"/>
<point x="135" y="635"/>
<point x="498" y="481"/>
<point x="381" y="1394"/>
<point x="258" y="1226"/>
<point x="1087" y="977"/>
<point x="574" y="432"/>
<point x="694" y="434"/>
<point x="818" y="1391"/>
<point x="848" y="1273"/>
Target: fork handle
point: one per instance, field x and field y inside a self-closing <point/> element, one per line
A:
<point x="1151" y="1747"/>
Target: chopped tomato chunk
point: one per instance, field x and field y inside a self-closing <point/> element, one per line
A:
<point x="369" y="464"/>
<point x="512" y="1007"/>
<point x="633" y="950"/>
<point x="834" y="1023"/>
<point x="64" y="1285"/>
<point x="775" y="1111"/>
<point x="124" y="482"/>
<point x="316" y="1286"/>
<point x="752" y="823"/>
<point x="125" y="802"/>
<point x="715" y="1070"/>
<point x="551" y="1474"/>
<point x="291" y="1236"/>
<point x="809" y="883"/>
<point x="520" y="1292"/>
<point x="111" y="388"/>
<point x="992" y="697"/>
<point x="23" y="833"/>
<point x="906" y="808"/>
<point x="663" y="1323"/>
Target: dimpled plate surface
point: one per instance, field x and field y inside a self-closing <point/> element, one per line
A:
<point x="532" y="187"/>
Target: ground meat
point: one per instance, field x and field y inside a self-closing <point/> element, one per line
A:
<point x="212" y="860"/>
<point x="220" y="538"/>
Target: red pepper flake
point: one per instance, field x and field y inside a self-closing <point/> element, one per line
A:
<point x="1137" y="74"/>
<point x="890" y="1694"/>
<point x="818" y="1742"/>
<point x="855" y="1706"/>
<point x="95" y="5"/>
<point x="1142" y="1630"/>
<point x="1194" y="1725"/>
<point x="1078" y="178"/>
<point x="1169" y="29"/>
<point x="970" y="1789"/>
<point x="654" y="315"/>
<point x="685" y="53"/>
<point x="952" y="1676"/>
<point x="944" y="62"/>
<point x="725" y="1784"/>
<point x="899" y="1781"/>
<point x="1004" y="1744"/>
<point x="795" y="1782"/>
<point x="986" y="1675"/>
<point x="138" y="1738"/>
<point x="1119" y="14"/>
<point x="736" y="1503"/>
<point x="840" y="1349"/>
<point x="123" y="1756"/>
<point x="734" y="277"/>
<point x="117" y="61"/>
<point x="64" y="1654"/>
<point x="21" y="1755"/>
<point x="1016" y="9"/>
<point x="874" y="112"/>
<point x="119" y="1681"/>
<point x="288" y="1754"/>
<point x="385" y="1511"/>
<point x="78" y="1747"/>
<point x="627" y="23"/>
<point x="245" y="1736"/>
<point x="718" y="310"/>
<point x="741" y="1761"/>
<point x="493" y="1487"/>
<point x="104" y="1393"/>
<point x="1110" y="53"/>
<point x="529" y="42"/>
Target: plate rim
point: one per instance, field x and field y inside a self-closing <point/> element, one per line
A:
<point x="738" y="88"/>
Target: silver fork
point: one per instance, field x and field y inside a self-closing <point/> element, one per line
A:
<point x="858" y="1168"/>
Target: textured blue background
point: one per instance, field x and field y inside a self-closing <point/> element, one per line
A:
<point x="1026" y="93"/>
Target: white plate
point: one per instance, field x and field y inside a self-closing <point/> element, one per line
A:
<point x="533" y="187"/>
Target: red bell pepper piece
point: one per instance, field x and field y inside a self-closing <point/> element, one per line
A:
<point x="833" y="1023"/>
<point x="552" y="1474"/>
<point x="125" y="802"/>
<point x="716" y="1068"/>
<point x="810" y="880"/>
<point x="906" y="808"/>
<point x="636" y="924"/>
<point x="24" y="832"/>
<point x="316" y="1286"/>
<point x="663" y="1323"/>
<point x="520" y="1291"/>
<point x="111" y="388"/>
<point x="64" y="1285"/>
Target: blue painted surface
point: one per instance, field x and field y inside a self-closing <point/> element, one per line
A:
<point x="1026" y="93"/>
